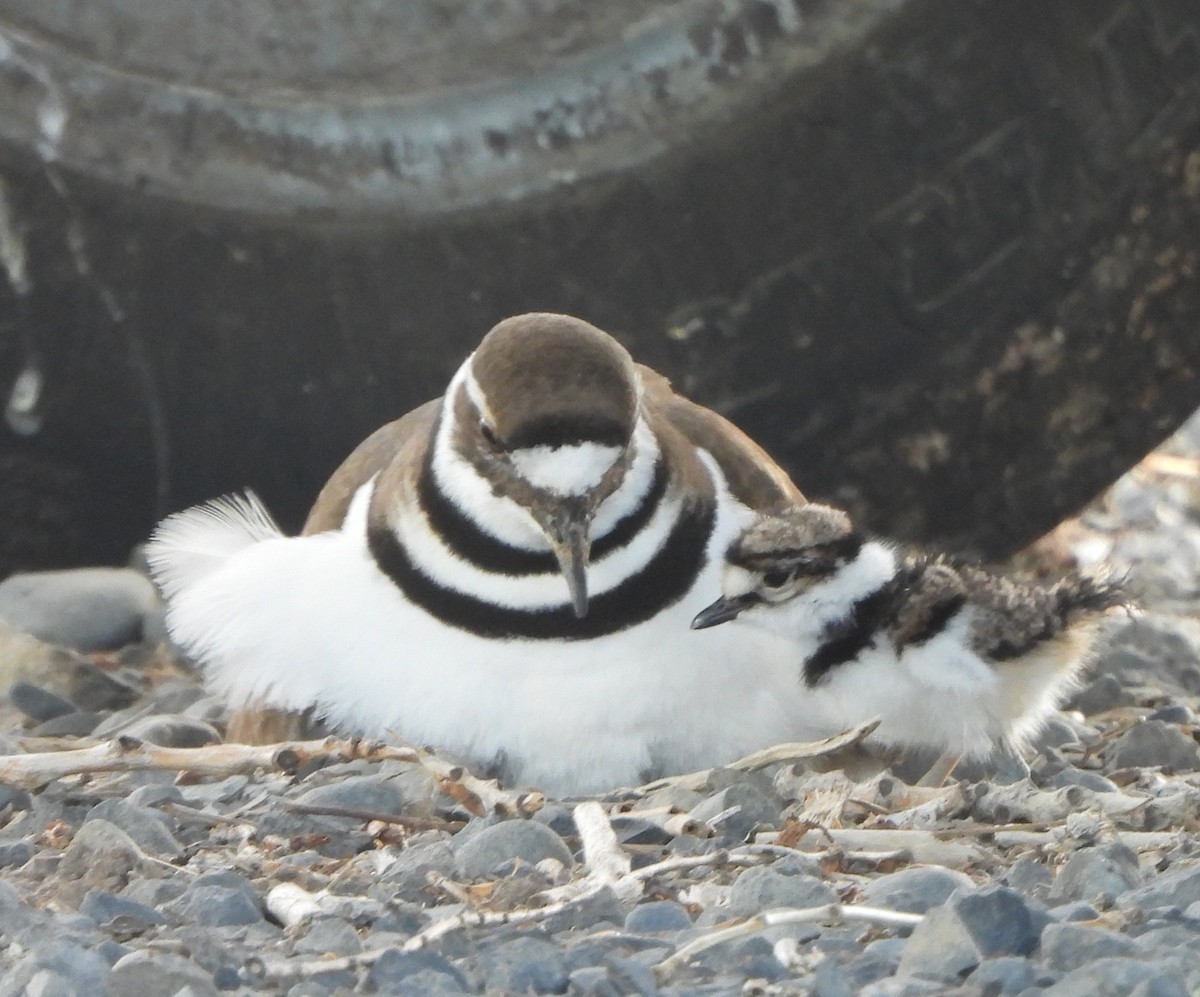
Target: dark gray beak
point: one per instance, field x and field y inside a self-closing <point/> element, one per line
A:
<point x="567" y="532"/>
<point x="722" y="611"/>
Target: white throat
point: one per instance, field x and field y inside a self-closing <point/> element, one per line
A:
<point x="565" y="470"/>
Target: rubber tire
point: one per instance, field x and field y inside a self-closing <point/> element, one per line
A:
<point x="943" y="268"/>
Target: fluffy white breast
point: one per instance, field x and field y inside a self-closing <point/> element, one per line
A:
<point x="311" y="620"/>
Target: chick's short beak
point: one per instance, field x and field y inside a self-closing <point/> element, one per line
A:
<point x="722" y="611"/>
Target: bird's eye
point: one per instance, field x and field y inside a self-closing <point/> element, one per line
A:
<point x="776" y="579"/>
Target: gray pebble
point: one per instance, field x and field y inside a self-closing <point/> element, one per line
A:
<point x="755" y="809"/>
<point x="363" y="792"/>
<point x="92" y="609"/>
<point x="1154" y="743"/>
<point x="393" y="971"/>
<point x="634" y="830"/>
<point x="176" y="696"/>
<point x="1106" y="870"/>
<point x="524" y="965"/>
<point x="970" y="927"/>
<point x="218" y="906"/>
<point x="46" y="983"/>
<point x="1072" y="776"/>
<point x="161" y="974"/>
<point x="1104" y="692"/>
<point x="408" y="874"/>
<point x="309" y="988"/>
<point x="1178" y="887"/>
<point x="100" y="856"/>
<point x="761" y="888"/>
<point x="494" y="848"/>
<point x="172" y="731"/>
<point x="603" y="905"/>
<point x="591" y="981"/>
<point x="1117" y="978"/>
<point x="14" y="854"/>
<point x="38" y="704"/>
<point x="1007" y="974"/>
<point x="154" y="795"/>
<point x="149" y="829"/>
<point x="658" y="916"/>
<point x="83" y="969"/>
<point x="558" y="818"/>
<point x="133" y="917"/>
<point x="76" y="724"/>
<point x="155" y="892"/>
<point x="1068" y="946"/>
<point x="1077" y="910"/>
<point x="915" y="891"/>
<point x="330" y="936"/>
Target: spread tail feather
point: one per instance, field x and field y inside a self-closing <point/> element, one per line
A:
<point x="189" y="545"/>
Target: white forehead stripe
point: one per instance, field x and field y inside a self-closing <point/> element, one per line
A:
<point x="474" y="392"/>
<point x="565" y="470"/>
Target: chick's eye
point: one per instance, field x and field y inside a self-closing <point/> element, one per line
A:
<point x="775" y="579"/>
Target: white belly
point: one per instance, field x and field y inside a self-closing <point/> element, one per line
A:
<point x="294" y="622"/>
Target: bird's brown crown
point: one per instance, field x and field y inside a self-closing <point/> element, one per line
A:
<point x="794" y="536"/>
<point x="554" y="380"/>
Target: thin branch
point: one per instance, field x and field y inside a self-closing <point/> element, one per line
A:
<point x="770" y="756"/>
<point x="775" y="918"/>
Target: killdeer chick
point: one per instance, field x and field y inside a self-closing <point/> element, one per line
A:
<point x="950" y="656"/>
<point x="508" y="573"/>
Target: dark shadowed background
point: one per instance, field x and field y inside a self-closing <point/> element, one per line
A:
<point x="938" y="258"/>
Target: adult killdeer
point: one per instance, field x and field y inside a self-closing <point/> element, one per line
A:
<point x="508" y="573"/>
<point x="949" y="655"/>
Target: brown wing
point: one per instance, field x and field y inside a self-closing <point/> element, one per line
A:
<point x="754" y="478"/>
<point x="370" y="457"/>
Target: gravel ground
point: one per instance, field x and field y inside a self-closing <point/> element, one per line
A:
<point x="1077" y="873"/>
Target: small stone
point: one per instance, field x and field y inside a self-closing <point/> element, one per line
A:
<point x="1106" y="870"/>
<point x="75" y="724"/>
<point x="38" y="704"/>
<point x="658" y="916"/>
<point x="1054" y="734"/>
<point x="154" y="892"/>
<point x="409" y="873"/>
<point x="101" y="856"/>
<point x="1008" y="974"/>
<point x="1174" y="888"/>
<point x="217" y="906"/>
<point x="603" y="905"/>
<point x="161" y="974"/>
<point x="633" y="830"/>
<point x="172" y="731"/>
<point x="309" y="988"/>
<point x="91" y="609"/>
<point x="1103" y="693"/>
<point x="1068" y="946"/>
<point x="524" y="965"/>
<point x="558" y="818"/>
<point x="1173" y="713"/>
<point x="83" y="969"/>
<point x="1071" y="776"/>
<point x="1154" y="743"/>
<point x="14" y="854"/>
<point x="915" y="891"/>
<point x="760" y="888"/>
<point x="393" y="970"/>
<point x="494" y="848"/>
<point x="149" y="829"/>
<point x="330" y="936"/>
<point x="754" y="809"/>
<point x="1077" y="910"/>
<point x="175" y="697"/>
<point x="1117" y="978"/>
<point x="45" y="983"/>
<point x="970" y="927"/>
<point x="132" y="917"/>
<point x="364" y="792"/>
<point x="591" y="981"/>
